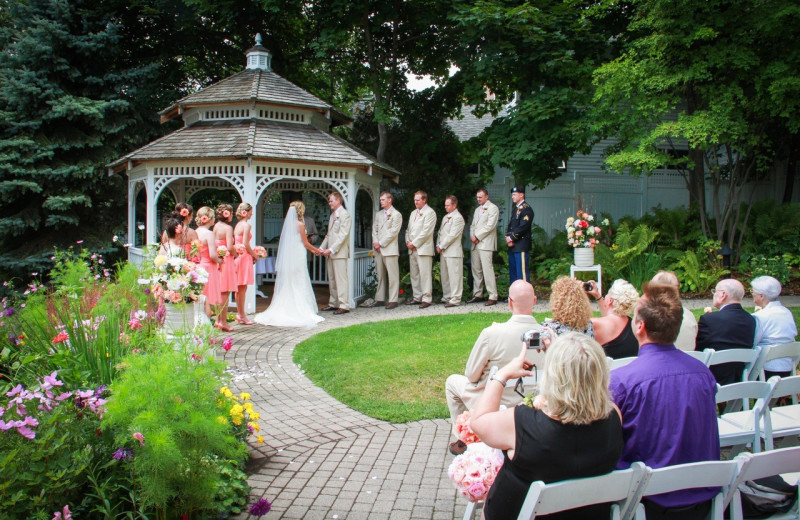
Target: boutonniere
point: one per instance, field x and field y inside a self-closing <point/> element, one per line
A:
<point x="449" y="218"/>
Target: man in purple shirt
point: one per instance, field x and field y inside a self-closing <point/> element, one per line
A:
<point x="667" y="402"/>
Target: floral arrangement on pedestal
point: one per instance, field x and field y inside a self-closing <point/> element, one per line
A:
<point x="474" y="471"/>
<point x="176" y="279"/>
<point x="584" y="231"/>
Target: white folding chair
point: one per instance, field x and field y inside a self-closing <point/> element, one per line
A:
<point x="716" y="473"/>
<point x="616" y="487"/>
<point x="741" y="427"/>
<point x="700" y="355"/>
<point x="784" y="350"/>
<point x="621" y="362"/>
<point x="781" y="421"/>
<point x="760" y="465"/>
<point x="748" y="356"/>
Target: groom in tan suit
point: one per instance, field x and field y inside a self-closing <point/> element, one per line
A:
<point x="419" y="240"/>
<point x="336" y="248"/>
<point x="385" y="230"/>
<point x="483" y="235"/>
<point x="448" y="245"/>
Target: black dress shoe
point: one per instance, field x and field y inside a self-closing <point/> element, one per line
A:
<point x="341" y="311"/>
<point x="328" y="308"/>
<point x="412" y="302"/>
<point x="424" y="305"/>
<point x="390" y="306"/>
<point x="489" y="303"/>
<point x="475" y="299"/>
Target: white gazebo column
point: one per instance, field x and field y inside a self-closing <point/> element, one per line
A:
<point x="352" y="192"/>
<point x="250" y="197"/>
<point x="150" y="223"/>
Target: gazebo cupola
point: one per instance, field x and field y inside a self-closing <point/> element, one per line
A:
<point x="258" y="56"/>
<point x="259" y="134"/>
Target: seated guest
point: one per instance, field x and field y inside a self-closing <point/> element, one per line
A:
<point x="496" y="346"/>
<point x="570" y="307"/>
<point x="688" y="331"/>
<point x="774" y="324"/>
<point x="667" y="404"/>
<point x="572" y="431"/>
<point x="731" y="327"/>
<point x="613" y="329"/>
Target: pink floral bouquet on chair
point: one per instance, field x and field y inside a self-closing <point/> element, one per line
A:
<point x="474" y="471"/>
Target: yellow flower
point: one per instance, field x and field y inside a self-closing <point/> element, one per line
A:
<point x="248" y="407"/>
<point x="222" y="420"/>
<point x="260" y="439"/>
<point x="255" y="426"/>
<point x="237" y="421"/>
<point x="159" y="260"/>
<point x="245" y="396"/>
<point x="237" y="410"/>
<point x="255" y="416"/>
<point x="224" y="389"/>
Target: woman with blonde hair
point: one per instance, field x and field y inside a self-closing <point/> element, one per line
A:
<point x="245" y="275"/>
<point x="573" y="429"/>
<point x="570" y="308"/>
<point x="223" y="233"/>
<point x="613" y="329"/>
<point x="293" y="303"/>
<point x="209" y="260"/>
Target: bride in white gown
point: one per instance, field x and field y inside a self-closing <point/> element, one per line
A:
<point x="293" y="302"/>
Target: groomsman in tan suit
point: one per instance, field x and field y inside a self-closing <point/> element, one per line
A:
<point x="483" y="235"/>
<point x="336" y="248"/>
<point x="385" y="230"/>
<point x="448" y="245"/>
<point x="419" y="240"/>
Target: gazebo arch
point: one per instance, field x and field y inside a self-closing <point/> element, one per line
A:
<point x="254" y="131"/>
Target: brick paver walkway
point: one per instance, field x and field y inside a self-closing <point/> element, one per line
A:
<point x="321" y="459"/>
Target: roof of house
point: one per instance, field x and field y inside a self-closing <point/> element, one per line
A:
<point x="255" y="138"/>
<point x="252" y="85"/>
<point x="467" y="125"/>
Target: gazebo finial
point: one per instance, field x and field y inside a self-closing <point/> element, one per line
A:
<point x="258" y="56"/>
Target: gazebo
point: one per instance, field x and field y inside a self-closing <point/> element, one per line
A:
<point x="259" y="134"/>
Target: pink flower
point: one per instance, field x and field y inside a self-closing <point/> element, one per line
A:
<point x="139" y="437"/>
<point x="62" y="336"/>
<point x="196" y="357"/>
<point x="478" y="490"/>
<point x="227" y="343"/>
<point x="64" y="514"/>
<point x="134" y="323"/>
<point x="463" y="429"/>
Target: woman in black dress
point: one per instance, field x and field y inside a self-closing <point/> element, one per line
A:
<point x="573" y="430"/>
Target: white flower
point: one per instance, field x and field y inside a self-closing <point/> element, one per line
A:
<point x="115" y="238"/>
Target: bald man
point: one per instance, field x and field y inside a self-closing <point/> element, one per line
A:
<point x="688" y="331"/>
<point x="497" y="345"/>
<point x="731" y="327"/>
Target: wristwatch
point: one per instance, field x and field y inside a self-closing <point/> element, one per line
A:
<point x="492" y="377"/>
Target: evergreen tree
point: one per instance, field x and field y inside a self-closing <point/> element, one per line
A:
<point x="65" y="111"/>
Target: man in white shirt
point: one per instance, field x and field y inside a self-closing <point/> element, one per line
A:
<point x="419" y="240"/>
<point x="448" y="245"/>
<point x="483" y="235"/>
<point x="385" y="230"/>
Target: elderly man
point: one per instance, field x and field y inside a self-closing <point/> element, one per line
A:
<point x="385" y="230"/>
<point x="731" y="327"/>
<point x="688" y="331"/>
<point x="483" y="235"/>
<point x="669" y="415"/>
<point x="336" y="248"/>
<point x="448" y="245"/>
<point x="419" y="240"/>
<point x="497" y="345"/>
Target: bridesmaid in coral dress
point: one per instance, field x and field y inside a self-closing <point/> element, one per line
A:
<point x="223" y="233"/>
<point x="245" y="274"/>
<point x="208" y="256"/>
<point x="183" y="213"/>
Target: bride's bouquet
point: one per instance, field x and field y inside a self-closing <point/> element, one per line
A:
<point x="474" y="471"/>
<point x="260" y="252"/>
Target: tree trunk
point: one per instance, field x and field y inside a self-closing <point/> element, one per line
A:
<point x="791" y="168"/>
<point x="382" y="140"/>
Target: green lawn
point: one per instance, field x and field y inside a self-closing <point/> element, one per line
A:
<point x="395" y="370"/>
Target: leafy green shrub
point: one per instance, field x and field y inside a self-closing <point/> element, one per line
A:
<point x="773" y="229"/>
<point x="632" y="256"/>
<point x="775" y="266"/>
<point x="166" y="409"/>
<point x="698" y="271"/>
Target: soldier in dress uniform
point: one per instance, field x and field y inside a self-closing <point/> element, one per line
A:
<point x="518" y="237"/>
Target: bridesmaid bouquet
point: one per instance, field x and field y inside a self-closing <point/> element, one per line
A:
<point x="240" y="249"/>
<point x="222" y="251"/>
<point x="463" y="430"/>
<point x="177" y="279"/>
<point x="474" y="471"/>
<point x="260" y="252"/>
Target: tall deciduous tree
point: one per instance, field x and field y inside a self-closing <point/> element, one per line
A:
<point x="718" y="80"/>
<point x="543" y="54"/>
